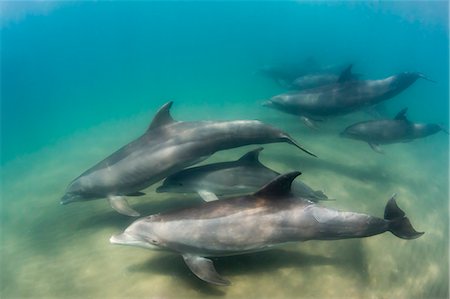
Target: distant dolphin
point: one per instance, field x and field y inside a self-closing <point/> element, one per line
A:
<point x="271" y="216"/>
<point x="385" y="131"/>
<point x="315" y="80"/>
<point x="286" y="74"/>
<point x="345" y="96"/>
<point x="165" y="148"/>
<point x="242" y="176"/>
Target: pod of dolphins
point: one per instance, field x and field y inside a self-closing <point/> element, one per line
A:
<point x="263" y="208"/>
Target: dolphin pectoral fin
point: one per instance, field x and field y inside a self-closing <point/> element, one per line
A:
<point x="376" y="148"/>
<point x="204" y="269"/>
<point x="309" y="123"/>
<point x="319" y="195"/>
<point x="207" y="195"/>
<point x="121" y="205"/>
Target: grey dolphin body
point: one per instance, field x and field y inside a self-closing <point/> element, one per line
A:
<point x="386" y="131"/>
<point x="166" y="147"/>
<point x="343" y="97"/>
<point x="269" y="217"/>
<point x="314" y="80"/>
<point x="243" y="176"/>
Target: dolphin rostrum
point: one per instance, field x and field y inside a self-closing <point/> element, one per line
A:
<point x="345" y="96"/>
<point x="243" y="176"/>
<point x="386" y="131"/>
<point x="165" y="148"/>
<point x="269" y="217"/>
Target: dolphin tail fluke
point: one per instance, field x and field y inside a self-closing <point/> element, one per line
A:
<point x="444" y="129"/>
<point x="426" y="78"/>
<point x="121" y="205"/>
<point x="204" y="269"/>
<point x="399" y="224"/>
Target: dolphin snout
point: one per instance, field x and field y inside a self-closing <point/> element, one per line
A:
<point x="68" y="198"/>
<point x="122" y="239"/>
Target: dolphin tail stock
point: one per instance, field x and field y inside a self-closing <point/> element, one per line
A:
<point x="399" y="224"/>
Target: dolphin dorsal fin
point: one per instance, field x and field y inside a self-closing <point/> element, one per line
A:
<point x="251" y="156"/>
<point x="346" y="75"/>
<point x="162" y="117"/>
<point x="279" y="186"/>
<point x="401" y="115"/>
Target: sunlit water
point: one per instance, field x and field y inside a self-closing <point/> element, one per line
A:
<point x="81" y="80"/>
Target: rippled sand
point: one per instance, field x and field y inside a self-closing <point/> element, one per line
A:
<point x="53" y="251"/>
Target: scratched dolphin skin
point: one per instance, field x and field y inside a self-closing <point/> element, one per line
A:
<point x="345" y="96"/>
<point x="243" y="176"/>
<point x="165" y="148"/>
<point x="386" y="131"/>
<point x="269" y="217"/>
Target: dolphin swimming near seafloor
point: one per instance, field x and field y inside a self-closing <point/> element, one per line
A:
<point x="345" y="96"/>
<point x="269" y="217"/>
<point x="165" y="148"/>
<point x="243" y="176"/>
<point x="386" y="131"/>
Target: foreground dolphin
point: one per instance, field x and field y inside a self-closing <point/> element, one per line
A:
<point x="385" y="131"/>
<point x="269" y="217"/>
<point x="242" y="176"/>
<point x="165" y="148"/>
<point x="345" y="96"/>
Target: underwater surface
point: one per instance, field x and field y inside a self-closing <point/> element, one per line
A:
<point x="81" y="79"/>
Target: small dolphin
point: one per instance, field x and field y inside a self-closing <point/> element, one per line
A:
<point x="286" y="74"/>
<point x="165" y="148"/>
<point x="345" y="96"/>
<point x="385" y="131"/>
<point x="315" y="80"/>
<point x="269" y="217"/>
<point x="242" y="176"/>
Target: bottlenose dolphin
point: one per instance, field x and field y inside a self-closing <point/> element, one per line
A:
<point x="165" y="148"/>
<point x="269" y="217"/>
<point x="315" y="80"/>
<point x="345" y="96"/>
<point x="243" y="176"/>
<point x="386" y="131"/>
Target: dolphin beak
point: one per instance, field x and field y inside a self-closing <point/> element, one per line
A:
<point x="130" y="240"/>
<point x="122" y="239"/>
<point x="68" y="198"/>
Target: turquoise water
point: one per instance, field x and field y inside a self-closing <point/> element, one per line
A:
<point x="79" y="80"/>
